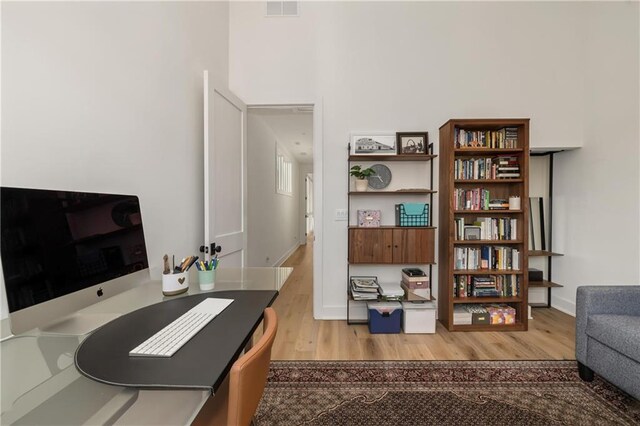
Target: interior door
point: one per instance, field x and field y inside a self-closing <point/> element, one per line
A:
<point x="225" y="174"/>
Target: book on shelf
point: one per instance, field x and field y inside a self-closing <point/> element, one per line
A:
<point x="486" y="168"/>
<point x="391" y="292"/>
<point x="486" y="286"/>
<point x="491" y="228"/>
<point x="498" y="204"/>
<point x="364" y="288"/>
<point x="486" y="257"/>
<point x="507" y="137"/>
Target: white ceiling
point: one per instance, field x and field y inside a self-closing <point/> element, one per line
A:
<point x="293" y="127"/>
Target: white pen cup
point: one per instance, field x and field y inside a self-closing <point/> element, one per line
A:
<point x="173" y="284"/>
<point x="207" y="279"/>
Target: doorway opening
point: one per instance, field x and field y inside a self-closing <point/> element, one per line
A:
<point x="280" y="178"/>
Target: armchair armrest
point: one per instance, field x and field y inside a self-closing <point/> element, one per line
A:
<point x="590" y="300"/>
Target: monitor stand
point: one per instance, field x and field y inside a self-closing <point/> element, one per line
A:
<point x="79" y="324"/>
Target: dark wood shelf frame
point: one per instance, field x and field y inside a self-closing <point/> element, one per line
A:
<point x="501" y="188"/>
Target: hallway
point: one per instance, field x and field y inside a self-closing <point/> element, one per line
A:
<point x="551" y="334"/>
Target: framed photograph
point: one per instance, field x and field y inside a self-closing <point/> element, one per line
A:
<point x="372" y="144"/>
<point x="471" y="232"/>
<point x="412" y="142"/>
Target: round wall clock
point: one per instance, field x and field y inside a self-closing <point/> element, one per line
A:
<point x="381" y="178"/>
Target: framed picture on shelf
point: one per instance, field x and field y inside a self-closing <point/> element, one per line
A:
<point x="412" y="142"/>
<point x="471" y="232"/>
<point x="373" y="144"/>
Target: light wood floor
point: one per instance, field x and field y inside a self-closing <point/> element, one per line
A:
<point x="551" y="333"/>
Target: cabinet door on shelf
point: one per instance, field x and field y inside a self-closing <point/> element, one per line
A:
<point x="413" y="245"/>
<point x="370" y="245"/>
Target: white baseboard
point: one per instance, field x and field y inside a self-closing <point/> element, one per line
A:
<point x="285" y="256"/>
<point x="564" y="305"/>
<point x="331" y="313"/>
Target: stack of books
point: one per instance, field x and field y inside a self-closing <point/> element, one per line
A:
<point x="364" y="288"/>
<point x="486" y="286"/>
<point x="506" y="167"/>
<point x="487" y="257"/>
<point x="390" y="292"/>
<point x="498" y="204"/>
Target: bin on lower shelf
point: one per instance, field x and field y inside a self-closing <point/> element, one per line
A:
<point x="384" y="317"/>
<point x="419" y="317"/>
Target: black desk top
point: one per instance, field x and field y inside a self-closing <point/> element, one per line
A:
<point x="202" y="363"/>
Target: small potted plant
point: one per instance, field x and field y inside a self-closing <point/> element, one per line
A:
<point x="361" y="176"/>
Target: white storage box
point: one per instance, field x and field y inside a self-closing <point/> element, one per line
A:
<point x="419" y="317"/>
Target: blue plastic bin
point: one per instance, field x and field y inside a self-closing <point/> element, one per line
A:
<point x="385" y="317"/>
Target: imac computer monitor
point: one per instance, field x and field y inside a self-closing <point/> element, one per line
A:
<point x="63" y="251"/>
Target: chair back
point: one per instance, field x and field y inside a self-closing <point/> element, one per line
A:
<point x="248" y="375"/>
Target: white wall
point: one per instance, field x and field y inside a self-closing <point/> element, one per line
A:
<point x="596" y="187"/>
<point x="107" y="97"/>
<point x="411" y="66"/>
<point x="272" y="218"/>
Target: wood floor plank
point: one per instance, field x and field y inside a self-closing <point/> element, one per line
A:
<point x="551" y="333"/>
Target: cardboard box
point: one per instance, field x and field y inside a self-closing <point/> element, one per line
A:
<point x="419" y="317"/>
<point x="416" y="294"/>
<point x="461" y="316"/>
<point x="535" y="274"/>
<point x="501" y="314"/>
<point x="422" y="283"/>
<point x="481" y="318"/>
<point x="384" y="317"/>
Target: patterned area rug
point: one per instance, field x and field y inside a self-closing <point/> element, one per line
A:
<point x="440" y="393"/>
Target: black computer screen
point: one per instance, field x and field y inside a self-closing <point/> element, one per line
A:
<point x="54" y="243"/>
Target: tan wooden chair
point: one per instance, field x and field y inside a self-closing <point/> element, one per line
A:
<point x="236" y="401"/>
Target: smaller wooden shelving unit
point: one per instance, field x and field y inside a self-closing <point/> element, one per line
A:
<point x="498" y="188"/>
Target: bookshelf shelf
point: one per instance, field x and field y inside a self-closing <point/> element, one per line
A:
<point x="487" y="151"/>
<point x="477" y="181"/>
<point x="399" y="192"/>
<point x="486" y="299"/>
<point x="518" y="326"/>
<point x="487" y="212"/>
<point x="486" y="272"/>
<point x="486" y="242"/>
<point x="483" y="148"/>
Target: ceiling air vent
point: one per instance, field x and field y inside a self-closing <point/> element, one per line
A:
<point x="282" y="8"/>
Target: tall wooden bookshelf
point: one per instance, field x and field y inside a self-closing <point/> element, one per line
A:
<point x="499" y="188"/>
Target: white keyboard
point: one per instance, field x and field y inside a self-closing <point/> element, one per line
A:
<point x="170" y="339"/>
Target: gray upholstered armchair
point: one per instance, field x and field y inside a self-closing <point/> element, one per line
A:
<point x="608" y="335"/>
